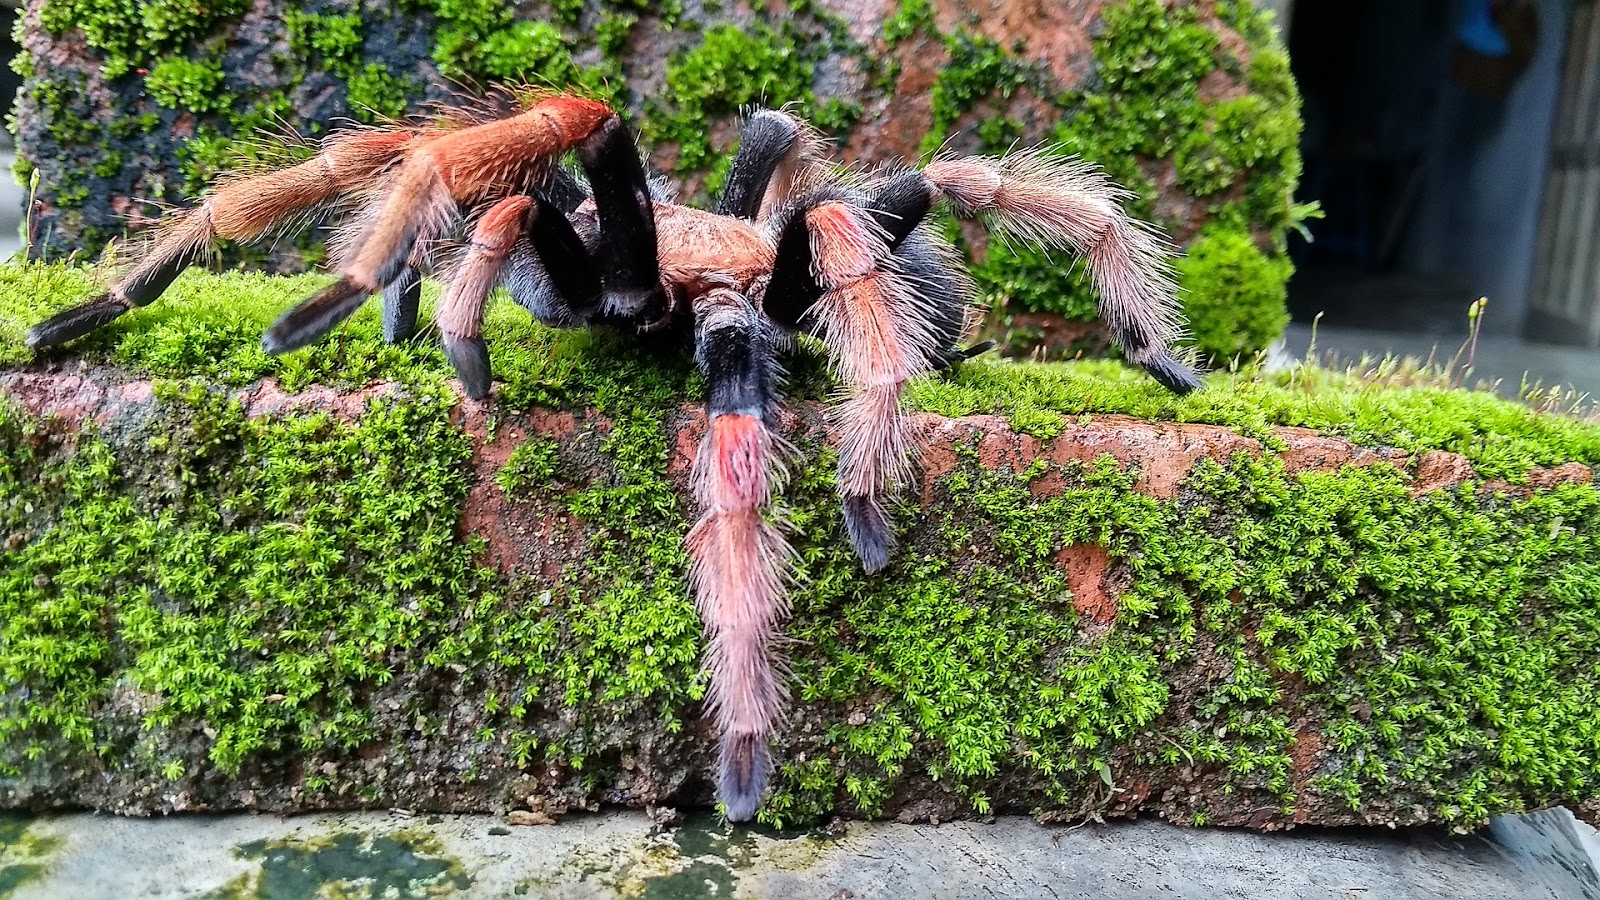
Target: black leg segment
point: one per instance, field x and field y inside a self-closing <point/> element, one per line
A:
<point x="564" y="190"/>
<point x="737" y="357"/>
<point x="793" y="289"/>
<point x="900" y="204"/>
<point x="550" y="273"/>
<point x="76" y="322"/>
<point x="470" y="358"/>
<point x="769" y="137"/>
<point x="400" y="301"/>
<point x="308" y="322"/>
<point x="627" y="251"/>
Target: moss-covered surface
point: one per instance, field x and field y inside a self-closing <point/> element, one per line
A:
<point x="203" y="608"/>
<point x="157" y="99"/>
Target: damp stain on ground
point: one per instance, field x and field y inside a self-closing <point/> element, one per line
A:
<point x="24" y="857"/>
<point x="401" y="864"/>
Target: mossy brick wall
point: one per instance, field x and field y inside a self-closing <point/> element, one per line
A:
<point x="232" y="580"/>
<point x="1190" y="103"/>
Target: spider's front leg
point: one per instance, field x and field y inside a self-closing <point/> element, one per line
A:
<point x="529" y="246"/>
<point x="246" y="209"/>
<point x="739" y="560"/>
<point x="420" y="201"/>
<point x="460" y="312"/>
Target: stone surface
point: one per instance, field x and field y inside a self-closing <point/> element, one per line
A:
<point x="449" y="766"/>
<point x="617" y="855"/>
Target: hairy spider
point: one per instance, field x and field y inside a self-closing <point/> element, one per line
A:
<point x="793" y="245"/>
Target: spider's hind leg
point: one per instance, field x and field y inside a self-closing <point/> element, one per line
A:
<point x="775" y="152"/>
<point x="1055" y="202"/>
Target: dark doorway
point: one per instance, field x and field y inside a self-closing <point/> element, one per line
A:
<point x="1430" y="189"/>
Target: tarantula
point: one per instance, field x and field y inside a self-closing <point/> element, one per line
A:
<point x="793" y="245"/>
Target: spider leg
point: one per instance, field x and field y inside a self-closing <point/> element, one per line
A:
<point x="244" y="209"/>
<point x="460" y="313"/>
<point x="837" y="274"/>
<point x="1056" y="202"/>
<point x="627" y="256"/>
<point x="739" y="565"/>
<point x="400" y="301"/>
<point x="775" y="148"/>
<point x="565" y="190"/>
<point x="420" y="202"/>
<point x="550" y="272"/>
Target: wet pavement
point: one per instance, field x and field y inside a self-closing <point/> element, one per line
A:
<point x="87" y="857"/>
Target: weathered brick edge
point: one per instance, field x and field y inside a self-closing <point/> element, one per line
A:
<point x="525" y="539"/>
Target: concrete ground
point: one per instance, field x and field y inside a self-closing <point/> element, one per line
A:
<point x="1500" y="357"/>
<point x="13" y="197"/>
<point x="86" y="856"/>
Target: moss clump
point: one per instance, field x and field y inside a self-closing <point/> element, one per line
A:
<point x="376" y="96"/>
<point x="532" y="465"/>
<point x="338" y="39"/>
<point x="179" y="83"/>
<point x="300" y="569"/>
<point x="978" y="69"/>
<point x="129" y="32"/>
<point x="977" y="659"/>
<point x="1235" y="296"/>
<point x="731" y="69"/>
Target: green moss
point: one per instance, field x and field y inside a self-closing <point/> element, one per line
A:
<point x="338" y="39"/>
<point x="910" y="17"/>
<point x="1503" y="439"/>
<point x="275" y="631"/>
<point x="266" y="576"/>
<point x="978" y="68"/>
<point x="977" y="661"/>
<point x="533" y="463"/>
<point x="186" y="84"/>
<point x="1017" y="277"/>
<point x="131" y="33"/>
<point x="248" y="141"/>
<point x="612" y="33"/>
<point x="729" y="70"/>
<point x="375" y="95"/>
<point x="1234" y="296"/>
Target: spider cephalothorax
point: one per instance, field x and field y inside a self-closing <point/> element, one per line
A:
<point x="791" y="246"/>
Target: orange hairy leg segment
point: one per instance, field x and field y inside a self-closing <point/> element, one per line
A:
<point x="460" y="313"/>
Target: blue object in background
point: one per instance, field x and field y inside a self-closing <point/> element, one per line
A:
<point x="1479" y="33"/>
